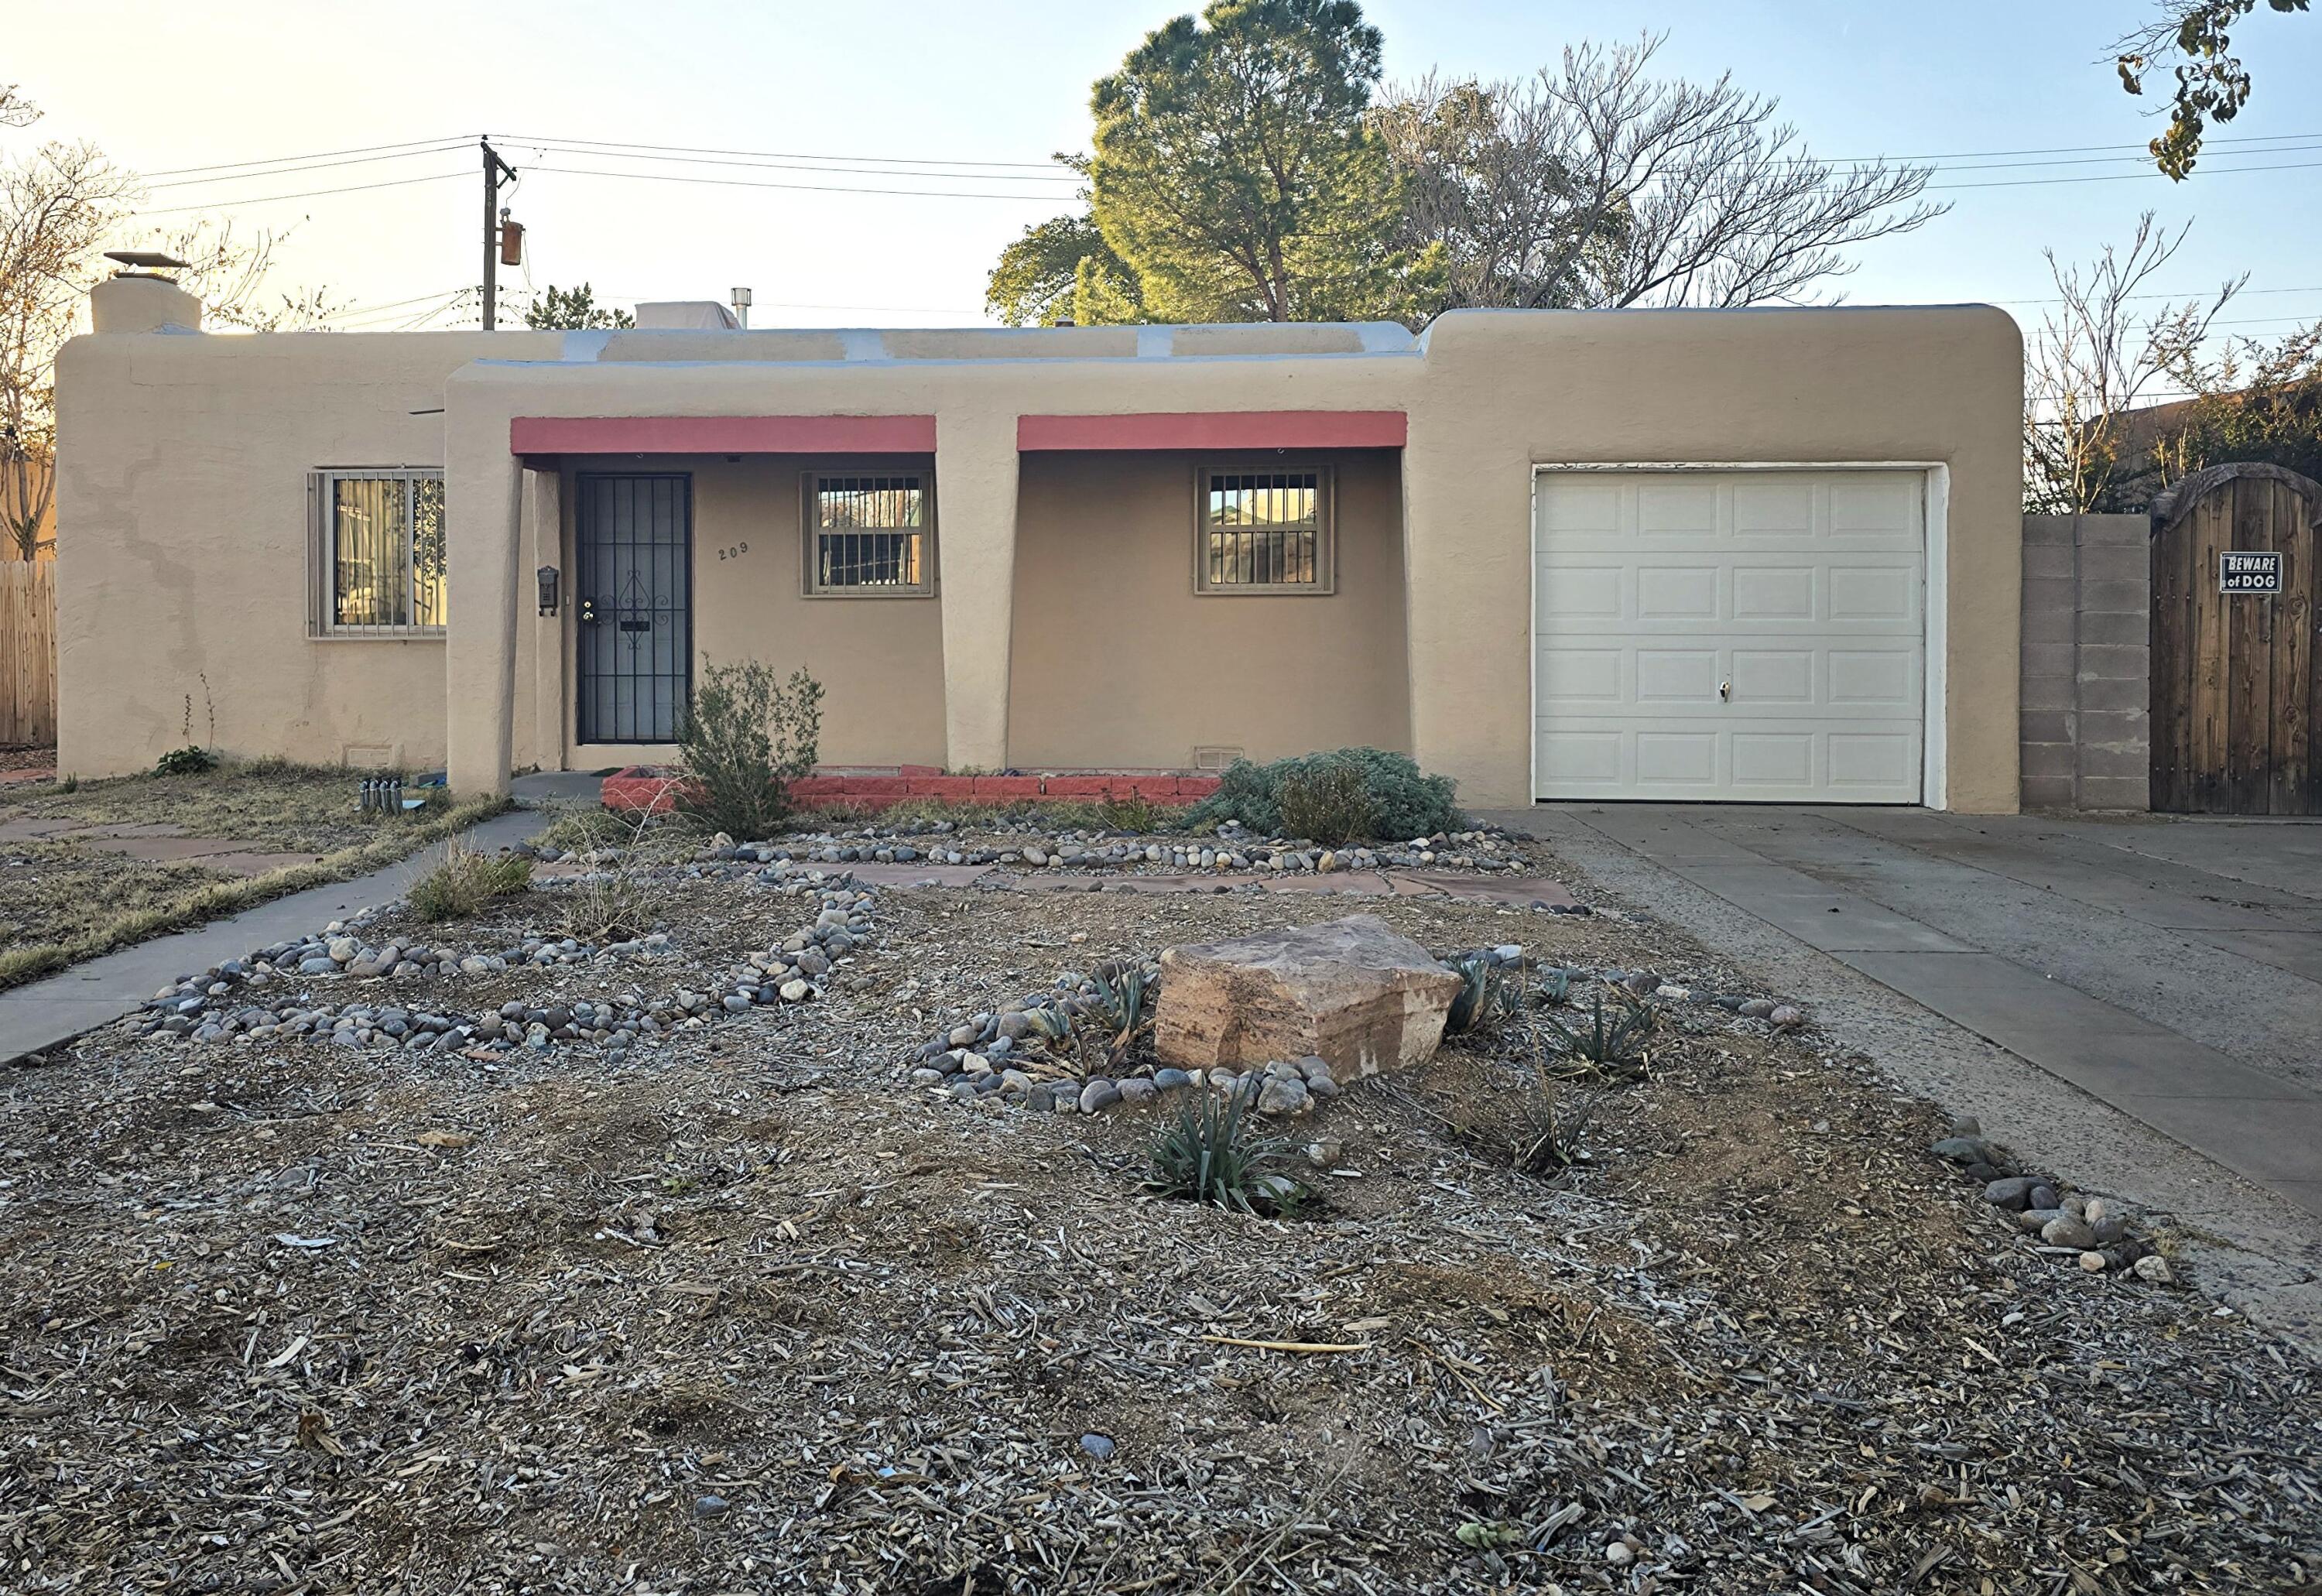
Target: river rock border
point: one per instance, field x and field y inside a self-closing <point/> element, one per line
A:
<point x="221" y="1004"/>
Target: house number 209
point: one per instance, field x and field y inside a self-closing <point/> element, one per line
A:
<point x="734" y="552"/>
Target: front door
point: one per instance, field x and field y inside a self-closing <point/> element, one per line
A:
<point x="633" y="648"/>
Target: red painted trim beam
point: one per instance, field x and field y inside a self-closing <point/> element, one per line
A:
<point x="1216" y="430"/>
<point x="722" y="434"/>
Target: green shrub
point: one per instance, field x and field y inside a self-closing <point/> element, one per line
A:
<point x="1328" y="802"/>
<point x="192" y="759"/>
<point x="467" y="881"/>
<point x="1404" y="801"/>
<point x="748" y="735"/>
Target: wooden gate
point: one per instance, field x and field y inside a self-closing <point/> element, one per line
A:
<point x="28" y="650"/>
<point x="2236" y="674"/>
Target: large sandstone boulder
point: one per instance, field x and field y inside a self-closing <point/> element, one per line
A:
<point x="1354" y="992"/>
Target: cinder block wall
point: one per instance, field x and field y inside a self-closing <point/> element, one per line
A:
<point x="2086" y="689"/>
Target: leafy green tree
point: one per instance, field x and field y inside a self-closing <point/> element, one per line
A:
<point x="2254" y="403"/>
<point x="1039" y="280"/>
<point x="573" y="310"/>
<point x="2194" y="38"/>
<point x="1236" y="174"/>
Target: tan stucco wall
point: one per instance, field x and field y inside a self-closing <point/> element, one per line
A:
<point x="192" y="456"/>
<point x="880" y="661"/>
<point x="1117" y="661"/>
<point x="181" y="513"/>
<point x="1504" y="390"/>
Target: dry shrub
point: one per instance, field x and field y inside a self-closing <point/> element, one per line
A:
<point x="1326" y="802"/>
<point x="619" y="898"/>
<point x="466" y="880"/>
<point x="747" y="735"/>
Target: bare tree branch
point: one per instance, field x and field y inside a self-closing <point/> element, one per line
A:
<point x="56" y="208"/>
<point x="2091" y="364"/>
<point x="1594" y="185"/>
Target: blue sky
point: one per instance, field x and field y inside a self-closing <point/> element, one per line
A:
<point x="168" y="86"/>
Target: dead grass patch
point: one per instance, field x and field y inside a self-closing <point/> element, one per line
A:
<point x="212" y="899"/>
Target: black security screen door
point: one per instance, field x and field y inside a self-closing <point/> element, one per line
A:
<point x="635" y="649"/>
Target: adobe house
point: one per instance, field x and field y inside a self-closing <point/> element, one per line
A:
<point x="1765" y="554"/>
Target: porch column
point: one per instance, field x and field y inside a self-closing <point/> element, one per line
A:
<point x="545" y="511"/>
<point x="976" y="554"/>
<point x="483" y="487"/>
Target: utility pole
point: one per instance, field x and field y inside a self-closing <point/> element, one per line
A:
<point x="495" y="169"/>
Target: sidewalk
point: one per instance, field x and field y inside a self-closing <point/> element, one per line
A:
<point x="45" y="1013"/>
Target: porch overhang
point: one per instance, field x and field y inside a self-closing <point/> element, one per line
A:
<point x="721" y="434"/>
<point x="1215" y="430"/>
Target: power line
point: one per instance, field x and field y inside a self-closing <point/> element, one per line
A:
<point x="403" y="311"/>
<point x="1046" y="199"/>
<point x="2206" y="143"/>
<point x="365" y="310"/>
<point x="311" y="155"/>
<point x="907" y="160"/>
<point x="288" y="171"/>
<point x="2225" y="171"/>
<point x="259" y="199"/>
<point x="790" y="166"/>
<point x="2297" y="148"/>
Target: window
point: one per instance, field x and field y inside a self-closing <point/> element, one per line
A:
<point x="867" y="536"/>
<point x="1265" y="531"/>
<point x="378" y="553"/>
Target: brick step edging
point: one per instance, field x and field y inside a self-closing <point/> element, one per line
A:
<point x="645" y="787"/>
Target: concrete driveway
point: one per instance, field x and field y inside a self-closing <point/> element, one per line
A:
<point x="2169" y="967"/>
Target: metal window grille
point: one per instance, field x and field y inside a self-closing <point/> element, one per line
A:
<point x="379" y="566"/>
<point x="870" y="533"/>
<point x="1263" y="530"/>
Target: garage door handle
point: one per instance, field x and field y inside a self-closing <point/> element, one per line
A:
<point x="1725" y="690"/>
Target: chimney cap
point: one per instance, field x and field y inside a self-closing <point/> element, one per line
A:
<point x="148" y="259"/>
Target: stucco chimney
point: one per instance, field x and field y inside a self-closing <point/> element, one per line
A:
<point x="133" y="303"/>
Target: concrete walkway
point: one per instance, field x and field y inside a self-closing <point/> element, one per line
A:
<point x="43" y="1013"/>
<point x="2172" y="968"/>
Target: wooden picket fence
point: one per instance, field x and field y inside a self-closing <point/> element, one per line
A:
<point x="28" y="650"/>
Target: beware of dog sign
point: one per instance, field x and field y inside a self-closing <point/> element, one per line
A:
<point x="2250" y="572"/>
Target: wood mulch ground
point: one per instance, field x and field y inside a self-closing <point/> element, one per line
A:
<point x="745" y="1313"/>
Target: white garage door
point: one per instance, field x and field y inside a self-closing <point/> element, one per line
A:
<point x="1747" y="634"/>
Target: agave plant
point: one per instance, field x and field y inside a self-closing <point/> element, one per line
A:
<point x="1126" y="1000"/>
<point x="1210" y="1154"/>
<point x="1610" y="1045"/>
<point x="1482" y="996"/>
<point x="1556" y="987"/>
<point x="1053" y="1026"/>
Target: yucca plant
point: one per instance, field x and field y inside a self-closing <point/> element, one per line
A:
<point x="1607" y="1046"/>
<point x="1210" y="1154"/>
<point x="1546" y="1138"/>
